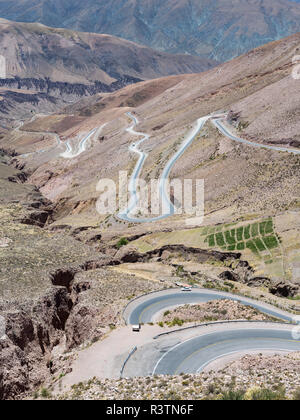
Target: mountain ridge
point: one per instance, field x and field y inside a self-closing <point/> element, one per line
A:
<point x="65" y="65"/>
<point x="221" y="30"/>
<point x="35" y="50"/>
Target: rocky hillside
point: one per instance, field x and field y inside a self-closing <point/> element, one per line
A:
<point x="39" y="296"/>
<point x="220" y="29"/>
<point x="246" y="379"/>
<point x="20" y="98"/>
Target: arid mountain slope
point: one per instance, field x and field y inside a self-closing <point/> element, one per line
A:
<point x="218" y="29"/>
<point x="35" y="51"/>
<point x="242" y="183"/>
<point x="48" y="68"/>
<point x="73" y="264"/>
<point x="250" y="86"/>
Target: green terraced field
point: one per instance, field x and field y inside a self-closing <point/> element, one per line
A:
<point x="258" y="237"/>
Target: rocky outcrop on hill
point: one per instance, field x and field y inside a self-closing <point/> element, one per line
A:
<point x="283" y="289"/>
<point x="31" y="335"/>
<point x="131" y="255"/>
<point x="239" y="270"/>
<point x="243" y="273"/>
<point x="45" y="95"/>
<point x="51" y="89"/>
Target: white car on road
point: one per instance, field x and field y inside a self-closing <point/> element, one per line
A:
<point x="136" y="328"/>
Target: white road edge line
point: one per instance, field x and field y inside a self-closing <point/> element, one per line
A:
<point x="236" y="352"/>
<point x="204" y="335"/>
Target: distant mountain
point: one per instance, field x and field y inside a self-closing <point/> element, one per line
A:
<point x="219" y="29"/>
<point x="47" y="68"/>
<point x="36" y="51"/>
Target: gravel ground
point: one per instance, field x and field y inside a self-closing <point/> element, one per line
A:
<point x="251" y="377"/>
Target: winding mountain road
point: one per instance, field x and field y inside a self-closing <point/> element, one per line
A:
<point x="129" y="214"/>
<point x="133" y="183"/>
<point x="44" y="133"/>
<point x="188" y="351"/>
<point x="167" y="207"/>
<point x="194" y="354"/>
<point x="225" y="131"/>
<point x="70" y="150"/>
<point x="145" y="309"/>
<point x="191" y="350"/>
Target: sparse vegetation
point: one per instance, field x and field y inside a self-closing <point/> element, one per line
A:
<point x="45" y="393"/>
<point x="217" y="310"/>
<point x="122" y="242"/>
<point x="225" y="384"/>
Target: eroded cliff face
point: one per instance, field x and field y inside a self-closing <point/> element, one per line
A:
<point x="80" y="305"/>
<point x="56" y="89"/>
<point x="36" y="298"/>
<point x="47" y="307"/>
<point x="31" y="335"/>
<point x="38" y="333"/>
<point x="20" y="97"/>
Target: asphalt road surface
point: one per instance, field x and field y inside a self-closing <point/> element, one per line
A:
<point x="144" y="309"/>
<point x="193" y="355"/>
<point x="72" y="152"/>
<point x="224" y="130"/>
<point x="167" y="207"/>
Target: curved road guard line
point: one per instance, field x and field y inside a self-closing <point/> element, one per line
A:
<point x="231" y="353"/>
<point x="127" y="359"/>
<point x="217" y="341"/>
<point x="209" y="324"/>
<point x="139" y="297"/>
